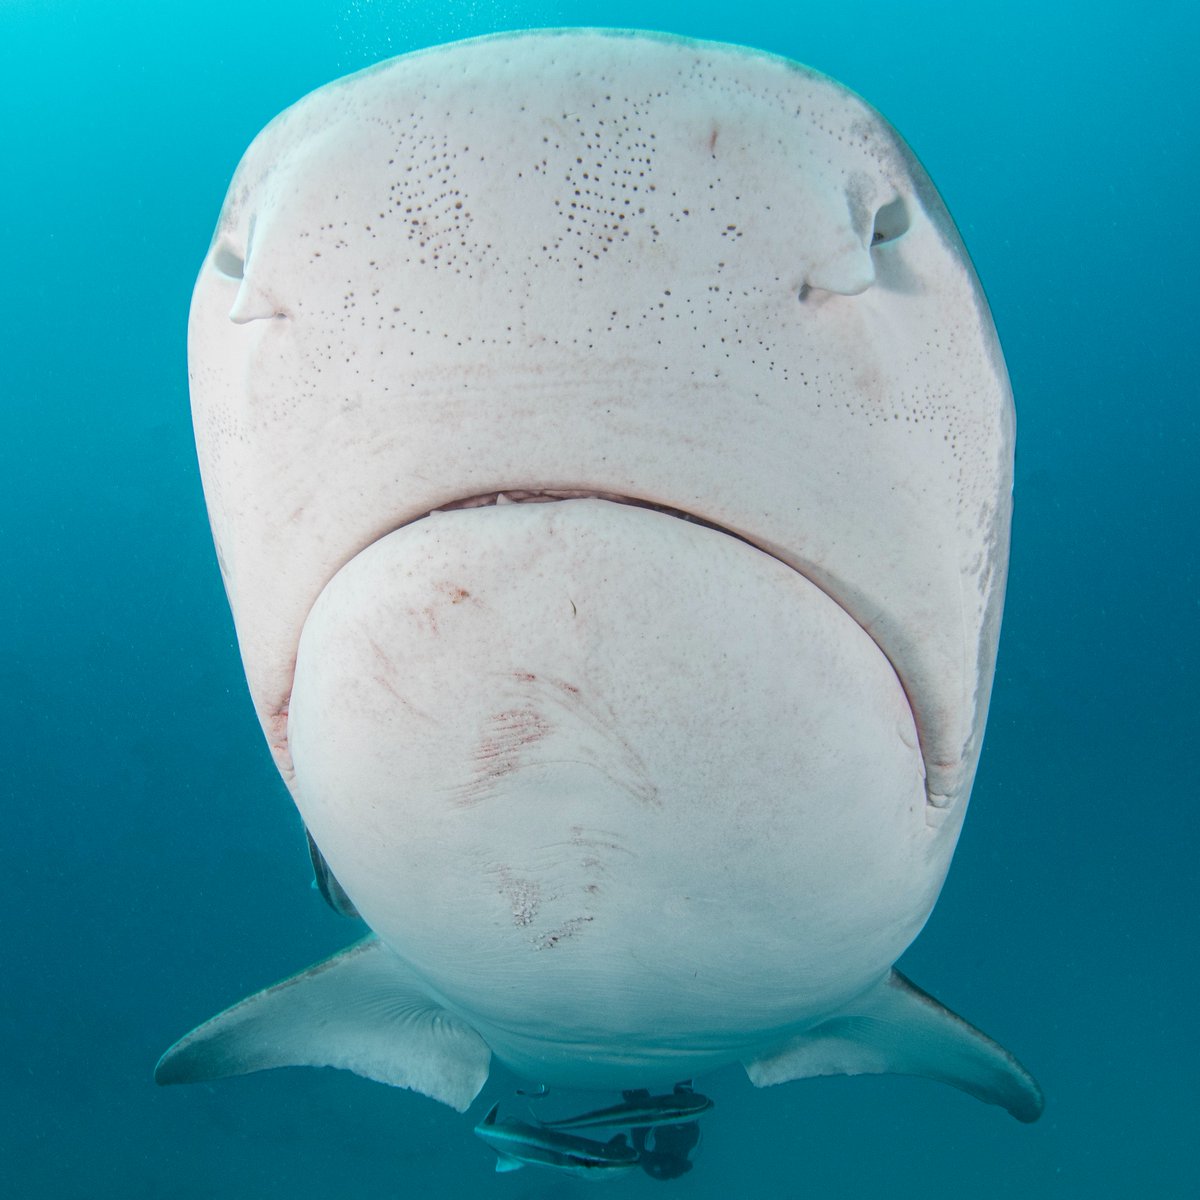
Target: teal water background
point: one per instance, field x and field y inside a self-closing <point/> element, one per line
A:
<point x="151" y="867"/>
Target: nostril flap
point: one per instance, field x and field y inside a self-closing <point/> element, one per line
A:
<point x="847" y="273"/>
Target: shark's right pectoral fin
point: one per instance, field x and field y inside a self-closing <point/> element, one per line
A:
<point x="897" y="1028"/>
<point x="362" y="1010"/>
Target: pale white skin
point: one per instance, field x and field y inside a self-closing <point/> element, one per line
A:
<point x="630" y="795"/>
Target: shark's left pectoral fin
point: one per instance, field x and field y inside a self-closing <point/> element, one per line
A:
<point x="897" y="1028"/>
<point x="362" y="1010"/>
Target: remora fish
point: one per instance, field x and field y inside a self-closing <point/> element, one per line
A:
<point x="640" y="1109"/>
<point x="518" y="1143"/>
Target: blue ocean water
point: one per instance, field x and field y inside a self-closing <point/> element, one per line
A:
<point x="153" y="867"/>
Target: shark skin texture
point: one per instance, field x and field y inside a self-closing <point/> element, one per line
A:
<point x="608" y="451"/>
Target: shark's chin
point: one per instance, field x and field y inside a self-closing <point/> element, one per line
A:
<point x="517" y="729"/>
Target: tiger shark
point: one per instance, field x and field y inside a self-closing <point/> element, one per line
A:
<point x="608" y="451"/>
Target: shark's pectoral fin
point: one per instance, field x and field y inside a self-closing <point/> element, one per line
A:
<point x="897" y="1028"/>
<point x="362" y="1010"/>
<point x="505" y="1163"/>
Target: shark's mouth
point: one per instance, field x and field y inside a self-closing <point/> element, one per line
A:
<point x="507" y="496"/>
<point x="550" y="495"/>
<point x="514" y="496"/>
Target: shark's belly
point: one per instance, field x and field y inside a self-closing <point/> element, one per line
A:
<point x="618" y="785"/>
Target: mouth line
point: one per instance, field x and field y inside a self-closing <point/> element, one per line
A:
<point x="553" y="495"/>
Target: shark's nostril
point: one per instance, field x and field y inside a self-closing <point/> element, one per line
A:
<point x="228" y="262"/>
<point x="891" y="221"/>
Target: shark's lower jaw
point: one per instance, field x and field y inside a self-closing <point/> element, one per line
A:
<point x="279" y="732"/>
<point x="581" y="742"/>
